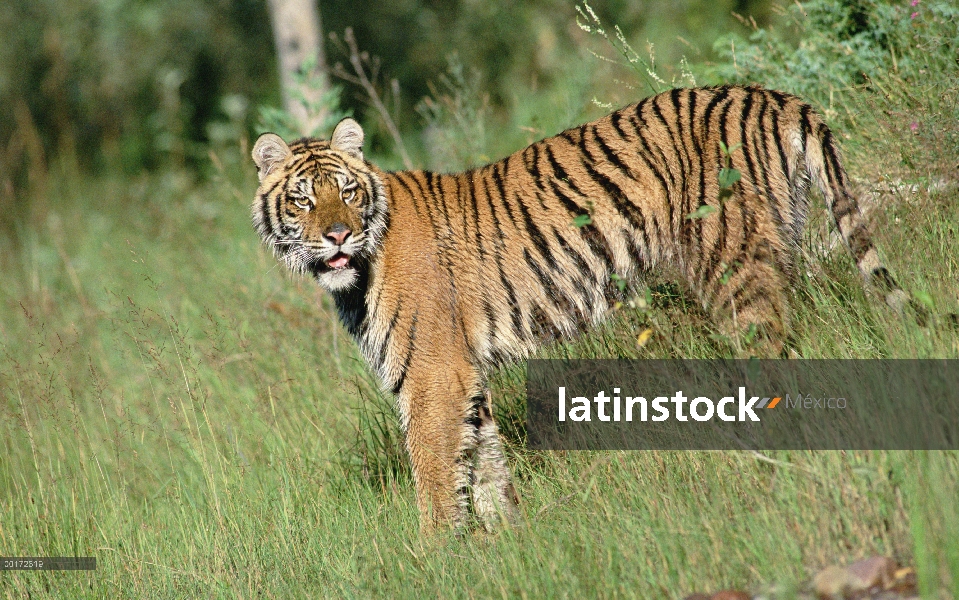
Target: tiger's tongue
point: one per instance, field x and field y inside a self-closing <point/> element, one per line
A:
<point x="339" y="261"/>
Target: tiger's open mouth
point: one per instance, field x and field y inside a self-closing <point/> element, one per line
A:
<point x="339" y="261"/>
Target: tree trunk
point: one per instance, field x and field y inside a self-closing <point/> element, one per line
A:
<point x="298" y="35"/>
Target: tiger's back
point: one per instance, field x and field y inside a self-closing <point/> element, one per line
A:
<point x="441" y="276"/>
<point x="523" y="271"/>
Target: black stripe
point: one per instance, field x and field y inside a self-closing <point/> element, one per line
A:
<point x="473" y="420"/>
<point x="722" y="119"/>
<point x="721" y="126"/>
<point x="556" y="294"/>
<point x="721" y="95"/>
<point x="646" y="154"/>
<point x="780" y="98"/>
<point x="691" y="98"/>
<point x="642" y="124"/>
<point x="277" y="210"/>
<point x="700" y="164"/>
<point x="490" y="322"/>
<point x="843" y="204"/>
<point x="685" y="200"/>
<point x="514" y="303"/>
<point x="679" y="143"/>
<point x="576" y="257"/>
<point x="669" y="189"/>
<point x="591" y="236"/>
<point x="881" y="278"/>
<point x="568" y="203"/>
<point x="448" y="197"/>
<point x="859" y="243"/>
<point x="533" y="169"/>
<point x="542" y="326"/>
<point x="743" y="139"/>
<point x="617" y="121"/>
<point x="561" y="172"/>
<point x="389" y="332"/>
<point x="265" y="211"/>
<point x="627" y="209"/>
<point x="460" y="202"/>
<point x="708" y="264"/>
<point x="400" y="178"/>
<point x="777" y="137"/>
<point x="747" y="223"/>
<point x="471" y="192"/>
<point x="640" y="257"/>
<point x="623" y="206"/>
<point x="747" y="293"/>
<point x="437" y="195"/>
<point x="806" y="127"/>
<point x="757" y="148"/>
<point x="574" y="136"/>
<point x="598" y="245"/>
<point x="549" y="286"/>
<point x="265" y="205"/>
<point x="398" y="386"/>
<point x="537" y="236"/>
<point x="764" y="160"/>
<point x="539" y="178"/>
<point x="610" y="155"/>
<point x="424" y="195"/>
<point x="501" y="188"/>
<point x="531" y="160"/>
<point x="550" y="289"/>
<point x="499" y="242"/>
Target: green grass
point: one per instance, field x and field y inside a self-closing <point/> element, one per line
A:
<point x="173" y="403"/>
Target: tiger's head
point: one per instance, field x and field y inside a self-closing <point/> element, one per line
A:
<point x="320" y="206"/>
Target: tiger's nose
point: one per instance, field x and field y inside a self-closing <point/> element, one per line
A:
<point x="338" y="234"/>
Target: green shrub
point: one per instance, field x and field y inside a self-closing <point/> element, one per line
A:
<point x="834" y="46"/>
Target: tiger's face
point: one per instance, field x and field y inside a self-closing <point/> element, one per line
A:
<point x="319" y="206"/>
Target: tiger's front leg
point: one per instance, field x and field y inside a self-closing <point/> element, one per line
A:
<point x="438" y="412"/>
<point x="455" y="452"/>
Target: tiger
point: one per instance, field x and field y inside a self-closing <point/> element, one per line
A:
<point x="440" y="278"/>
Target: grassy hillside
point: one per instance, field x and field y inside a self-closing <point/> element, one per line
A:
<point x="173" y="403"/>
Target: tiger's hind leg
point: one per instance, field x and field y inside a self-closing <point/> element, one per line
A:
<point x="495" y="502"/>
<point x="742" y="279"/>
<point x="750" y="308"/>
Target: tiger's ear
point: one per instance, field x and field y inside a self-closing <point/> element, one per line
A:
<point x="348" y="137"/>
<point x="269" y="151"/>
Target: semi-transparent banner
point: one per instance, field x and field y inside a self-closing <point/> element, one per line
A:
<point x="743" y="404"/>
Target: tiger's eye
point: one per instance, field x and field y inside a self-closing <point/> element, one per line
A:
<point x="348" y="193"/>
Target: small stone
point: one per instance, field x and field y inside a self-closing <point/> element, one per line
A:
<point x="830" y="583"/>
<point x="868" y="573"/>
<point x="730" y="595"/>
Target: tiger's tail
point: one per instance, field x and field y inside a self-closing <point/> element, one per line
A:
<point x="824" y="166"/>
